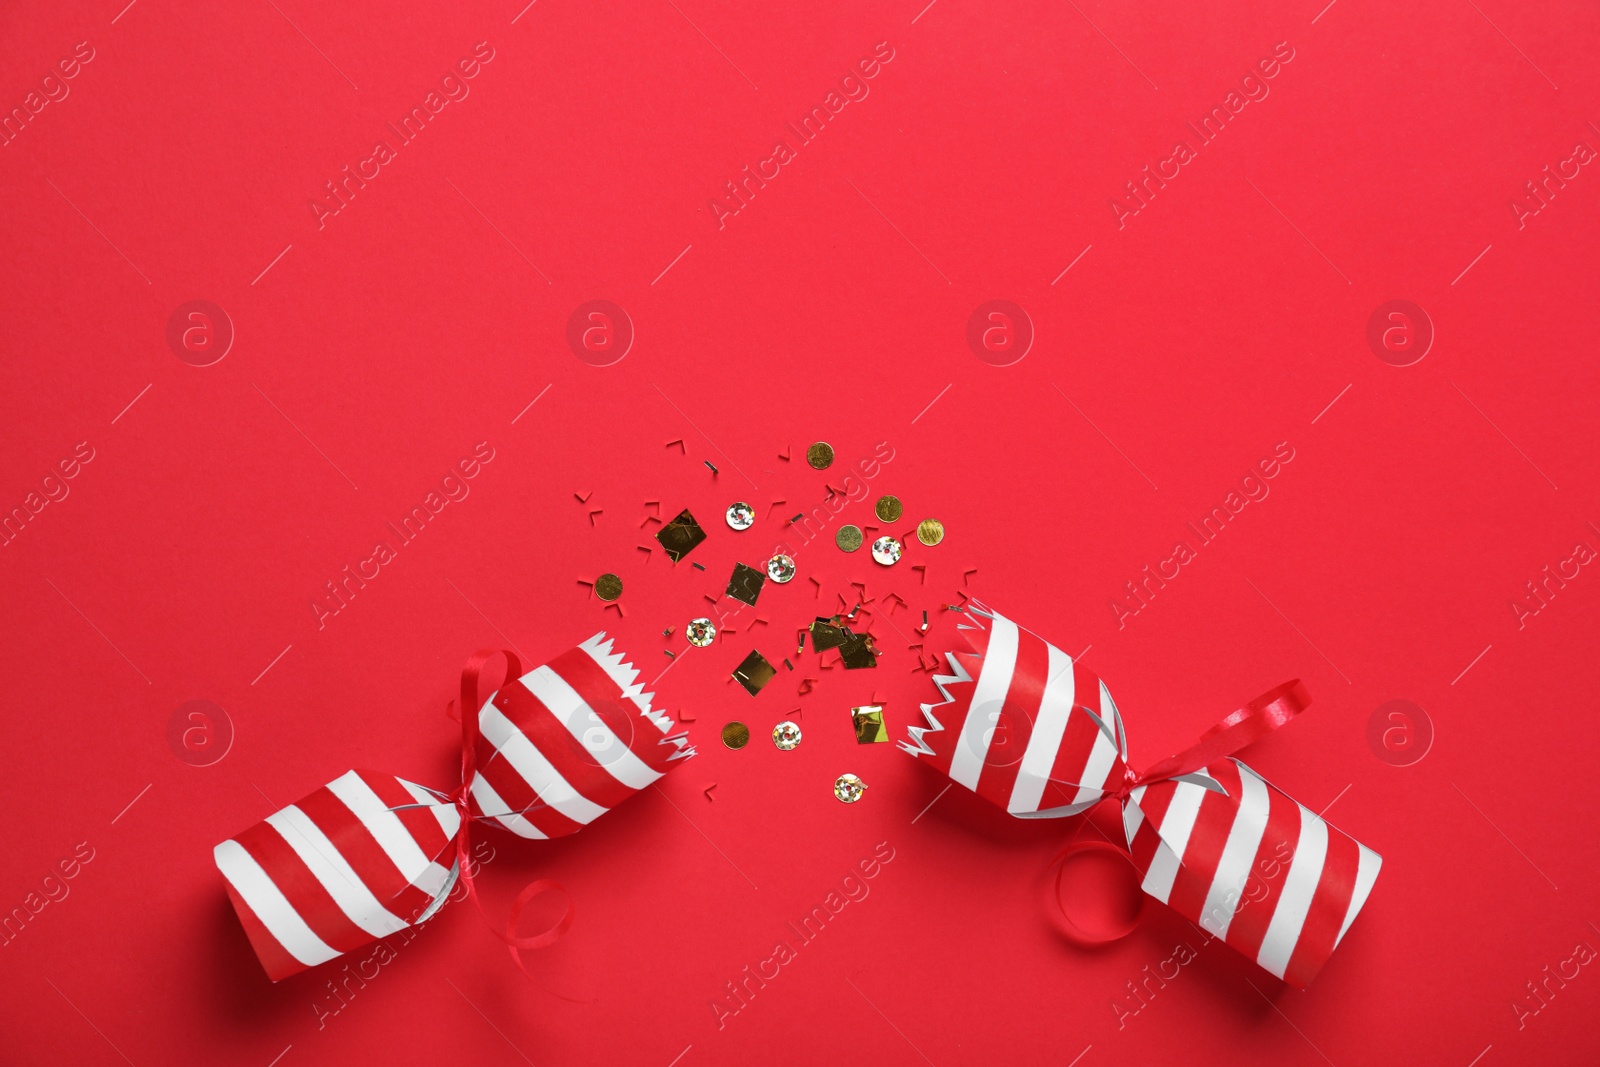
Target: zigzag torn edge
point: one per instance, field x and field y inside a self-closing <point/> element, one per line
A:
<point x="916" y="746"/>
<point x="626" y="675"/>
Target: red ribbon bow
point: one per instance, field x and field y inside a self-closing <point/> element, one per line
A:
<point x="1235" y="731"/>
<point x="474" y="697"/>
<point x="370" y="854"/>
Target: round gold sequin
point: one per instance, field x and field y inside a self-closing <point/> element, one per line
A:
<point x="780" y="568"/>
<point x="888" y="508"/>
<point x="786" y="735"/>
<point x="886" y="550"/>
<point x="930" y="532"/>
<point x="700" y="632"/>
<point x="736" y="735"/>
<point x="608" y="587"/>
<point x="820" y="455"/>
<point x="849" y="788"/>
<point x="741" y="516"/>
<point x="848" y="538"/>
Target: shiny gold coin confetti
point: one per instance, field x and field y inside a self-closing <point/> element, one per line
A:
<point x="741" y="516"/>
<point x="848" y="538"/>
<point x="886" y="550"/>
<point x="888" y="508"/>
<point x="700" y="632"/>
<point x="608" y="587"/>
<point x="780" y="568"/>
<point x="736" y="735"/>
<point x="820" y="455"/>
<point x="786" y="735"/>
<point x="930" y="532"/>
<point x="849" y="788"/>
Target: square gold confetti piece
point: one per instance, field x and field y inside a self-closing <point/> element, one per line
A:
<point x="825" y="635"/>
<point x="680" y="536"/>
<point x="746" y="583"/>
<point x="869" y="724"/>
<point x="857" y="652"/>
<point x="754" y="672"/>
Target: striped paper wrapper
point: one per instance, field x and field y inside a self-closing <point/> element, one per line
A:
<point x="1036" y="733"/>
<point x="369" y="854"/>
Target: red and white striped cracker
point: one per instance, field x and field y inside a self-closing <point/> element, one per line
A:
<point x="569" y="741"/>
<point x="1242" y="859"/>
<point x="365" y="856"/>
<point x="1022" y="724"/>
<point x="1037" y="734"/>
<point x="370" y="854"/>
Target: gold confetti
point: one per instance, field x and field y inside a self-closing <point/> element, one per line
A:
<point x="888" y="508"/>
<point x="754" y="672"/>
<point x="856" y="652"/>
<point x="825" y="635"/>
<point x="780" y="568"/>
<point x="869" y="726"/>
<point x="849" y="788"/>
<point x="848" y="538"/>
<point x="745" y="585"/>
<point x="930" y="532"/>
<point x="680" y="536"/>
<point x="820" y="455"/>
<point x="786" y="735"/>
<point x="608" y="587"/>
<point x="736" y="735"/>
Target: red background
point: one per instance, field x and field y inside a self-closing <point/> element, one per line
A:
<point x="376" y="351"/>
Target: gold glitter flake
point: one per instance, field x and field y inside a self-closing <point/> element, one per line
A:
<point x="825" y="635"/>
<point x="680" y="536"/>
<point x="608" y="587"/>
<point x="754" y="672"/>
<point x="745" y="585"/>
<point x="869" y="726"/>
<point x="930" y="532"/>
<point x="888" y="508"/>
<point x="848" y="538"/>
<point x="820" y="455"/>
<point x="857" y="652"/>
<point x="736" y="735"/>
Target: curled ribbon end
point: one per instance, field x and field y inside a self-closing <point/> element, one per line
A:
<point x="1103" y="885"/>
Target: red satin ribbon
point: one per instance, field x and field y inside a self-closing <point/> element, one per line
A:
<point x="1238" y="728"/>
<point x="472" y="699"/>
<point x="1076" y="931"/>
